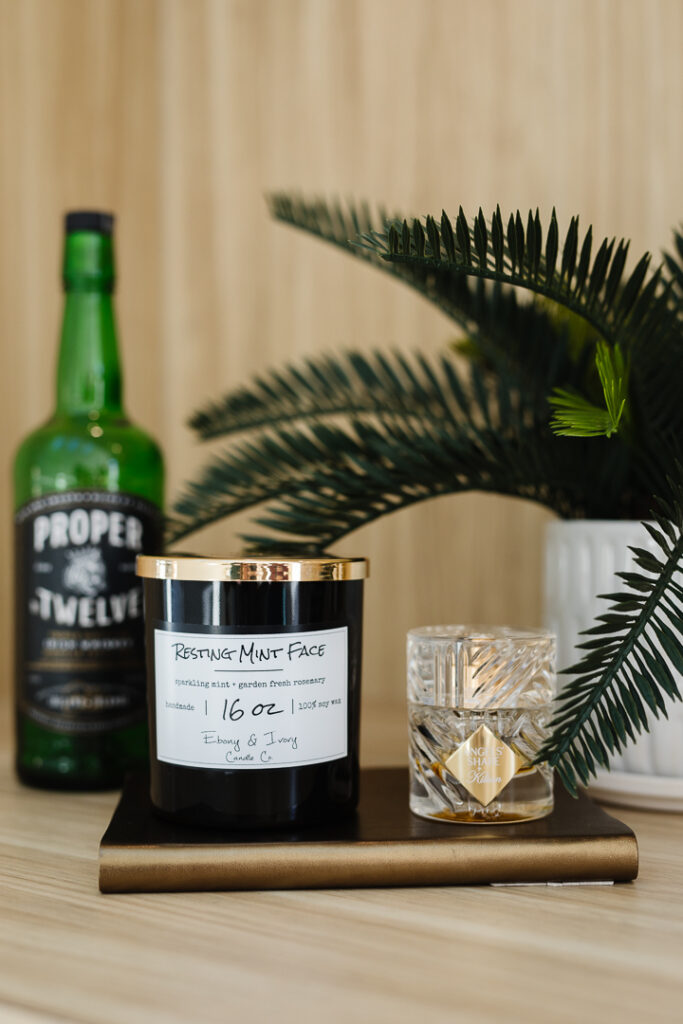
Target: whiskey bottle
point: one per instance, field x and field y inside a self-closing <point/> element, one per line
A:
<point x="88" y="492"/>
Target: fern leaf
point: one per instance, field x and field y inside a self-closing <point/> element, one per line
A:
<point x="491" y="316"/>
<point x="635" y="311"/>
<point x="473" y="431"/>
<point x="277" y="461"/>
<point x="590" y="288"/>
<point x="350" y="384"/>
<point x="627" y="667"/>
<point x="395" y="464"/>
<point x="511" y="339"/>
<point x="575" y="416"/>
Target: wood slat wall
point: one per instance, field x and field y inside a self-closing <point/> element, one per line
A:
<point x="178" y="115"/>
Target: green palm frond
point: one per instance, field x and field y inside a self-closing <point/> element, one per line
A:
<point x="634" y="311"/>
<point x="575" y="416"/>
<point x="613" y="371"/>
<point x="273" y="464"/>
<point x="284" y="461"/>
<point x="592" y="287"/>
<point x="469" y="432"/>
<point x="437" y="256"/>
<point x="487" y="312"/>
<point x="350" y="384"/>
<point x="343" y="226"/>
<point x="631" y="656"/>
<point x="512" y="341"/>
<point x="391" y="466"/>
<point x="434" y="255"/>
<point x="527" y="341"/>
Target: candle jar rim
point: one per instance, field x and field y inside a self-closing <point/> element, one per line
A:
<point x="253" y="568"/>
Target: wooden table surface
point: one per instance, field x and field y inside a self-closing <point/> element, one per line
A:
<point x="532" y="954"/>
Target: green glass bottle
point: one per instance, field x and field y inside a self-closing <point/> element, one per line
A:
<point x="88" y="495"/>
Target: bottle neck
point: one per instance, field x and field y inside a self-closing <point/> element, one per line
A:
<point x="88" y="371"/>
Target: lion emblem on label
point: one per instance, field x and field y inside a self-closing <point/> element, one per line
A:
<point x="85" y="572"/>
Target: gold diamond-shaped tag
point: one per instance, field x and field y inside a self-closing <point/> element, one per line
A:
<point x="484" y="764"/>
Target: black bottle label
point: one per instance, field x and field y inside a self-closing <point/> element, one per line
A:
<point x="79" y="626"/>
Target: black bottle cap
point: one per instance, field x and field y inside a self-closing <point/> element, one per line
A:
<point x="89" y="220"/>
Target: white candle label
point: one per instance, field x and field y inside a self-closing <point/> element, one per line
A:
<point x="257" y="700"/>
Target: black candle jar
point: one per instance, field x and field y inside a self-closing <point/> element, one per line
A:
<point x="253" y="669"/>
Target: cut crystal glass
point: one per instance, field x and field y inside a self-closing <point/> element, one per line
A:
<point x="479" y="709"/>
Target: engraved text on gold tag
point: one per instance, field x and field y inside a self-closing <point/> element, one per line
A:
<point x="484" y="765"/>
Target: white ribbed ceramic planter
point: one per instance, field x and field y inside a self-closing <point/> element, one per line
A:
<point x="581" y="558"/>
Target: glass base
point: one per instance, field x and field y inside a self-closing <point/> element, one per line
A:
<point x="430" y="799"/>
<point x="437" y="794"/>
<point x="481" y="815"/>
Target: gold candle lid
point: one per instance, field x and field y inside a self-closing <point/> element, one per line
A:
<point x="248" y="569"/>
